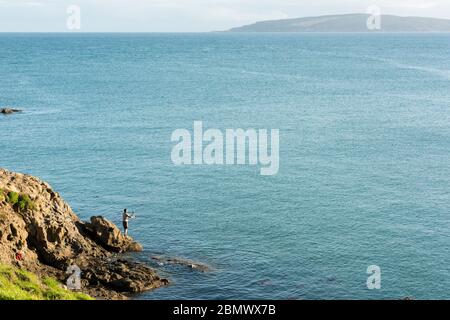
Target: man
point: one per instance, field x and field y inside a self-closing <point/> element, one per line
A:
<point x="125" y="218"/>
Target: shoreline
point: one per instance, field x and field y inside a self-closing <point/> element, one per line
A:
<point x="41" y="234"/>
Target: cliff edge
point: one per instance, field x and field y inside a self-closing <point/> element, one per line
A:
<point x="40" y="233"/>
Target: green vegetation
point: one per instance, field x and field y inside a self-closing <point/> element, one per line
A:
<point x="12" y="198"/>
<point x="18" y="284"/>
<point x="25" y="203"/>
<point x="20" y="202"/>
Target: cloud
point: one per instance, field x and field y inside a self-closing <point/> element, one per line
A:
<point x="411" y="4"/>
<point x="192" y="15"/>
<point x="229" y="14"/>
<point x="21" y="3"/>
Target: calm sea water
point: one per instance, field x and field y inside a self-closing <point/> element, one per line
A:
<point x="364" y="163"/>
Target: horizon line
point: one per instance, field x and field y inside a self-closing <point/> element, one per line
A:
<point x="229" y="30"/>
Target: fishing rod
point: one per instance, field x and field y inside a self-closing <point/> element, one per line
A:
<point x="132" y="214"/>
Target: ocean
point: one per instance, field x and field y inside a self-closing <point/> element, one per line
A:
<point x="364" y="175"/>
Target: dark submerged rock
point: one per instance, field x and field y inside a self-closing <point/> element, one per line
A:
<point x="9" y="110"/>
<point x="161" y="259"/>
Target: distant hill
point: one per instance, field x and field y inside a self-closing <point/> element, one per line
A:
<point x="348" y="23"/>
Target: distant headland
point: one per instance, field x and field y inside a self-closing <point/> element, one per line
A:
<point x="356" y="22"/>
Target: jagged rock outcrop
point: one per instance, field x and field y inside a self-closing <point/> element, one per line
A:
<point x="109" y="236"/>
<point x="9" y="110"/>
<point x="50" y="238"/>
<point x="125" y="276"/>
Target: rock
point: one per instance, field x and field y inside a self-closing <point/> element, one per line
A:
<point x="264" y="282"/>
<point x="125" y="276"/>
<point x="183" y="262"/>
<point x="50" y="238"/>
<point x="109" y="236"/>
<point x="9" y="110"/>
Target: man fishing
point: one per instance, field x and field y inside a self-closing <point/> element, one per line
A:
<point x="125" y="219"/>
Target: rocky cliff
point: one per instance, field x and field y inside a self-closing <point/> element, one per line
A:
<point x="39" y="232"/>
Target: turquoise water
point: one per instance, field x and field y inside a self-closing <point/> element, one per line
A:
<point x="364" y="154"/>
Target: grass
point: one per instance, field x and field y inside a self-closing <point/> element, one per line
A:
<point x="16" y="284"/>
<point x="24" y="203"/>
<point x="12" y="198"/>
<point x="20" y="202"/>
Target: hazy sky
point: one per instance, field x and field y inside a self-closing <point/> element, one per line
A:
<point x="190" y="15"/>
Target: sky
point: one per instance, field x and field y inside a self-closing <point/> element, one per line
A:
<point x="188" y="15"/>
